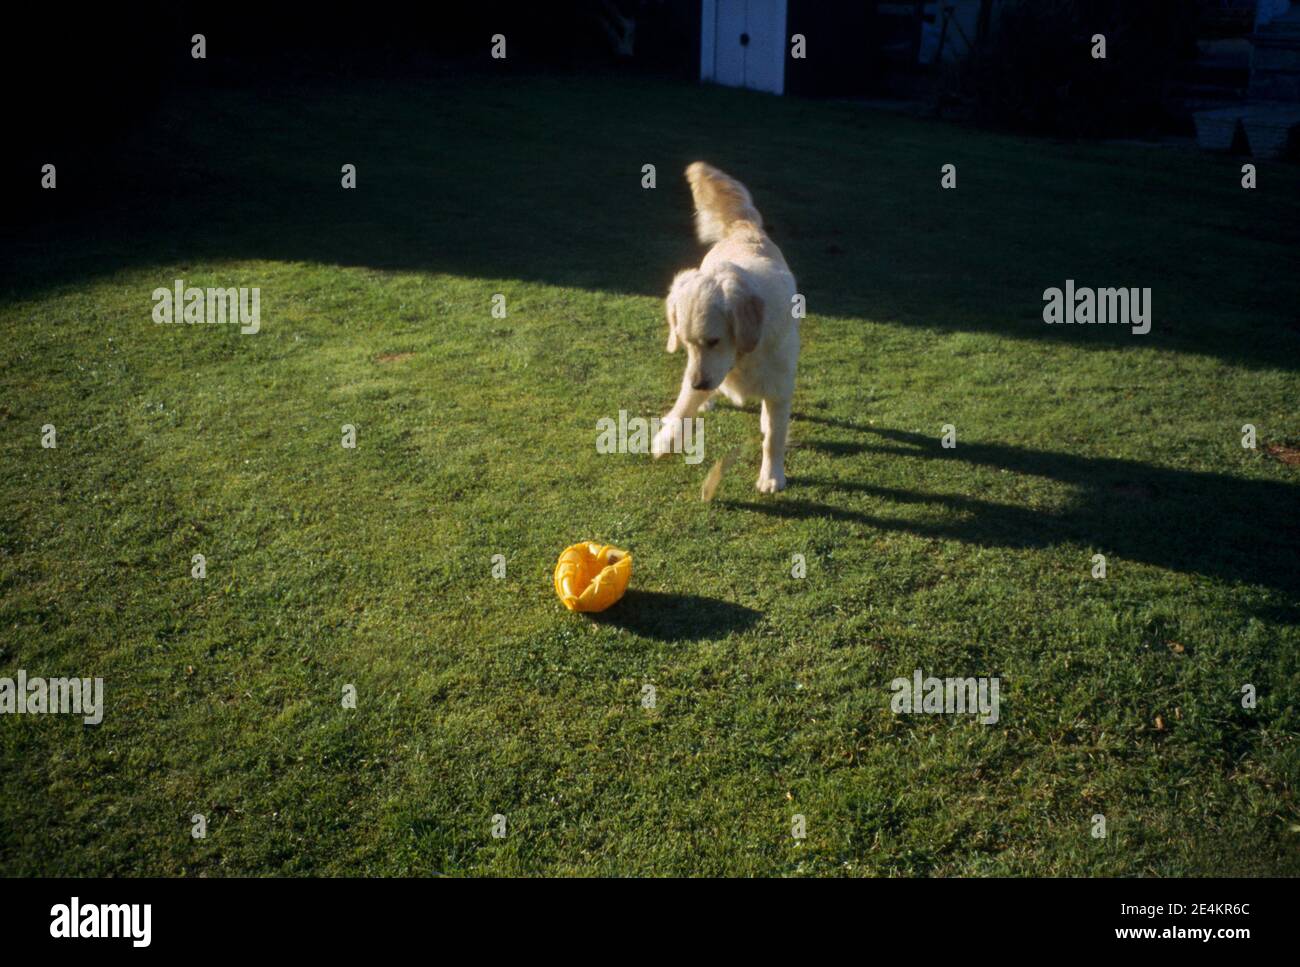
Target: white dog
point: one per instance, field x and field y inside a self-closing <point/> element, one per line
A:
<point x="734" y="313"/>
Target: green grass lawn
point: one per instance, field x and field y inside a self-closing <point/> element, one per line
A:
<point x="476" y="436"/>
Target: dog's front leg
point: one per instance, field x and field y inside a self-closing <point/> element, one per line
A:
<point x="688" y="404"/>
<point x="775" y="423"/>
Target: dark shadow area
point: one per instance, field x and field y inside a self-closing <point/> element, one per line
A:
<point x="677" y="617"/>
<point x="485" y="170"/>
<point x="1197" y="523"/>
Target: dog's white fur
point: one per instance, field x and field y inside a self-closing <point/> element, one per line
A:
<point x="734" y="315"/>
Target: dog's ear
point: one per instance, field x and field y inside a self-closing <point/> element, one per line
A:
<point x="680" y="282"/>
<point x="746" y="312"/>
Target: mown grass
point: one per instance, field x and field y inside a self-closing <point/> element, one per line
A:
<point x="476" y="436"/>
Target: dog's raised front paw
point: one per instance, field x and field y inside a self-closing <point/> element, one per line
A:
<point x="770" y="482"/>
<point x="669" y="432"/>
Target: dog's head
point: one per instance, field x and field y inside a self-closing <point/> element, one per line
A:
<point x="718" y="317"/>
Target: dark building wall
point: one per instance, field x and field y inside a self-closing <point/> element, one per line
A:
<point x="842" y="49"/>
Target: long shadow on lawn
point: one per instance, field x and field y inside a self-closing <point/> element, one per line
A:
<point x="1197" y="523"/>
<point x="677" y="617"/>
<point x="462" y="176"/>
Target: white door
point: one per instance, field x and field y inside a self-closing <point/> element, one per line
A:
<point x="742" y="43"/>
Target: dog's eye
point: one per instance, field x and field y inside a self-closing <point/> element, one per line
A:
<point x="710" y="343"/>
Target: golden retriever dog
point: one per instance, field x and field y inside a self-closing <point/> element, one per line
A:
<point x="734" y="315"/>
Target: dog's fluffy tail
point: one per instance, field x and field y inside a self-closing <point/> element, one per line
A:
<point x="720" y="200"/>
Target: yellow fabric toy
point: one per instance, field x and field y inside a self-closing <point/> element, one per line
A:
<point x="591" y="577"/>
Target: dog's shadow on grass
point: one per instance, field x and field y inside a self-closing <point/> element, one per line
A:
<point x="1196" y="522"/>
<point x="677" y="617"/>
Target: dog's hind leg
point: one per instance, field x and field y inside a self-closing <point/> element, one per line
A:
<point x="723" y="392"/>
<point x="733" y="396"/>
<point x="775" y="423"/>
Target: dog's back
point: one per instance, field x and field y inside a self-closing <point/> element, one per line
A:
<point x="726" y="217"/>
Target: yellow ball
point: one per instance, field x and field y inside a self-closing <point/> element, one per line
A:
<point x="591" y="577"/>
